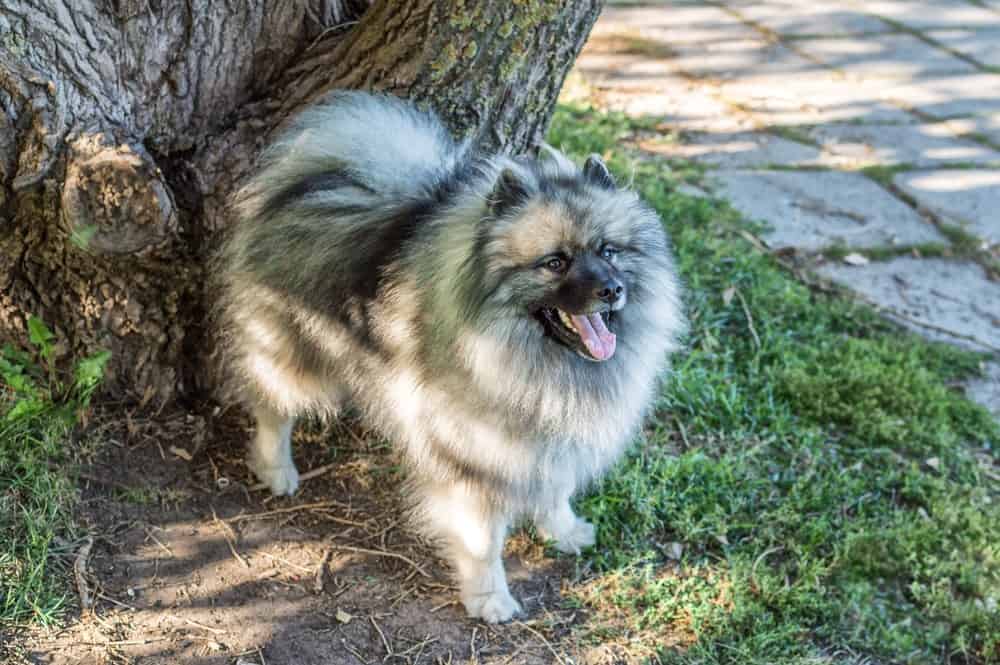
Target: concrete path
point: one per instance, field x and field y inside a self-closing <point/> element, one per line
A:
<point x="869" y="127"/>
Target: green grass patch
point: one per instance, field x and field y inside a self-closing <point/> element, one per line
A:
<point x="812" y="484"/>
<point x="38" y="410"/>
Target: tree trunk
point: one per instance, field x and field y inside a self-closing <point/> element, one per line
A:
<point x="126" y="124"/>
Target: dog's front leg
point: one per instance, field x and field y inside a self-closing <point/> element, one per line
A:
<point x="557" y="521"/>
<point x="472" y="534"/>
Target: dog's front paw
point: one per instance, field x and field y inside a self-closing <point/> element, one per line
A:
<point x="283" y="480"/>
<point x="492" y="607"/>
<point x="573" y="537"/>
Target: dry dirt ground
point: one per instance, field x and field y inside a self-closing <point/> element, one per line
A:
<point x="191" y="564"/>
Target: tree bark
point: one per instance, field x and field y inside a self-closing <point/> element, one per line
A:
<point x="125" y="125"/>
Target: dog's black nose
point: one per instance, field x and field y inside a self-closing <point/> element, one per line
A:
<point x="610" y="291"/>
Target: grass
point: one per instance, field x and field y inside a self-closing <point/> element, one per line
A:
<point x="812" y="489"/>
<point x="38" y="411"/>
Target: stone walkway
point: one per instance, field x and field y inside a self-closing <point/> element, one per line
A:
<point x="868" y="127"/>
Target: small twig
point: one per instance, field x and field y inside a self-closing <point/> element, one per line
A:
<point x="286" y="562"/>
<point x="308" y="475"/>
<point x="559" y="659"/>
<point x="156" y="540"/>
<point x="80" y="574"/>
<point x="107" y="482"/>
<point x="353" y="651"/>
<point x="122" y="643"/>
<point x="281" y="511"/>
<point x="746" y="311"/>
<point x="684" y="434"/>
<point x="217" y="631"/>
<point x="388" y="649"/>
<point x="427" y="640"/>
<point x="230" y="536"/>
<point x="442" y="605"/>
<point x="115" y="601"/>
<point x="394" y="555"/>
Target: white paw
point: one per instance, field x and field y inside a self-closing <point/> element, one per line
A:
<point x="492" y="607"/>
<point x="572" y="538"/>
<point x="283" y="480"/>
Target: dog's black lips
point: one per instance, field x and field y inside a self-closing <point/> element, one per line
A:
<point x="554" y="327"/>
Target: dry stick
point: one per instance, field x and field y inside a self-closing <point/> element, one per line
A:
<point x="217" y="631"/>
<point x="353" y="651"/>
<point x="443" y="605"/>
<point x="308" y="475"/>
<point x="157" y="541"/>
<point x="121" y="643"/>
<point x="286" y="562"/>
<point x="388" y="649"/>
<point x="427" y="640"/>
<point x="230" y="536"/>
<point x="282" y="511"/>
<point x="559" y="659"/>
<point x="80" y="574"/>
<point x="746" y="310"/>
<point x="362" y="550"/>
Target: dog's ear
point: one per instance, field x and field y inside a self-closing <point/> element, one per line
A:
<point x="596" y="172"/>
<point x="510" y="190"/>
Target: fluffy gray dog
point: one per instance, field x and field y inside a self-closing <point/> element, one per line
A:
<point x="504" y="321"/>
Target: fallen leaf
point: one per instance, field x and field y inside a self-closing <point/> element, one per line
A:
<point x="344" y="617"/>
<point x="855" y="259"/>
<point x="180" y="452"/>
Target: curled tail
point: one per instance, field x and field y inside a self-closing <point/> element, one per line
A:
<point x="355" y="151"/>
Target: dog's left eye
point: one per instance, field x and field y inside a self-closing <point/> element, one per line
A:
<point x="608" y="252"/>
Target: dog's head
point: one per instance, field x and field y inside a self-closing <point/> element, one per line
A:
<point x="571" y="250"/>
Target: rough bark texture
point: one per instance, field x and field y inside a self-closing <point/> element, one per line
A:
<point x="126" y="124"/>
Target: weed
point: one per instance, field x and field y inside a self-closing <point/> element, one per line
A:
<point x="38" y="410"/>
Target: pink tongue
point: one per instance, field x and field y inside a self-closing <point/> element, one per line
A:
<point x="596" y="337"/>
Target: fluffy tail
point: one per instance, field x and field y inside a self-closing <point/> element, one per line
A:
<point x="356" y="150"/>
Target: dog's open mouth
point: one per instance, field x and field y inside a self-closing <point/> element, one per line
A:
<point x="587" y="334"/>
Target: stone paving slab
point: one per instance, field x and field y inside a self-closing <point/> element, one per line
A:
<point x="813" y="210"/>
<point x="793" y="17"/>
<point x="812" y="99"/>
<point x="986" y="390"/>
<point x="614" y="70"/>
<point x="887" y="56"/>
<point x="741" y="57"/>
<point x="917" y="145"/>
<point x="673" y="24"/>
<point x="676" y="102"/>
<point x="983" y="45"/>
<point x="738" y="150"/>
<point x="970" y="198"/>
<point x="987" y="125"/>
<point x="948" y="96"/>
<point x="922" y="14"/>
<point x="955" y="296"/>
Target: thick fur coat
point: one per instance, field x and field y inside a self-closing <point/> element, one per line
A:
<point x="504" y="321"/>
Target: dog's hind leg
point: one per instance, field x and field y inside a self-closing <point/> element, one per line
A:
<point x="271" y="451"/>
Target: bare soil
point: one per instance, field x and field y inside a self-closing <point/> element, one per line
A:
<point x="190" y="563"/>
